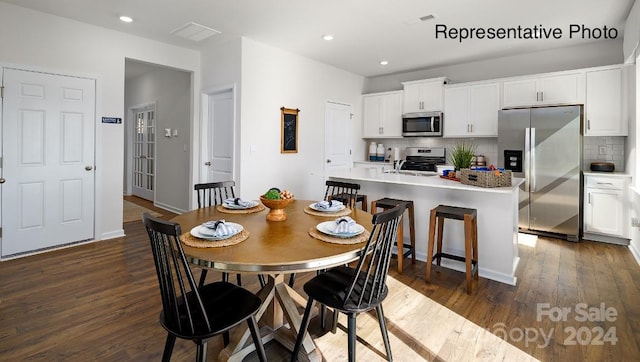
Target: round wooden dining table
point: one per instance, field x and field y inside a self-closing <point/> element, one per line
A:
<point x="273" y="248"/>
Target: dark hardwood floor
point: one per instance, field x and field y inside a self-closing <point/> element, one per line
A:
<point x="99" y="302"/>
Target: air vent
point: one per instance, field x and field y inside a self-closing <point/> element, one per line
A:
<point x="195" y="32"/>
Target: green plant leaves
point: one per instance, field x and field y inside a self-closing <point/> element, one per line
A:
<point x="461" y="155"/>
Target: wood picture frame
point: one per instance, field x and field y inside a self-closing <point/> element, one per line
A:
<point x="289" y="130"/>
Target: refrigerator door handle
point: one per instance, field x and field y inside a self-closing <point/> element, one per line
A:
<point x="527" y="147"/>
<point x="532" y="159"/>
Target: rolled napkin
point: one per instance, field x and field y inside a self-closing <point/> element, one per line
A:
<point x="217" y="228"/>
<point x="343" y="225"/>
<point x="238" y="202"/>
<point x="325" y="205"/>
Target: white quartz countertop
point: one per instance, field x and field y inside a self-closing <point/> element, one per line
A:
<point x="606" y="174"/>
<point x="368" y="174"/>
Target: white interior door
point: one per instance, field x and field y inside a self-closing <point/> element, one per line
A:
<point x="48" y="160"/>
<point x="144" y="153"/>
<point x="220" y="139"/>
<point x="337" y="137"/>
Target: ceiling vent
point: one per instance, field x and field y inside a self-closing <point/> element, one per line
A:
<point x="195" y="32"/>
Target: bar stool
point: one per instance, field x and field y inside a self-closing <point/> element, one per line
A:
<point x="387" y="203"/>
<point x="469" y="216"/>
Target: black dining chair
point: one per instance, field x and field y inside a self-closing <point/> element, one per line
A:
<point x="346" y="192"/>
<point x="191" y="312"/>
<point x="213" y="194"/>
<point x="359" y="289"/>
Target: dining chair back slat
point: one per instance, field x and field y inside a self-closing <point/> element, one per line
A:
<point x="342" y="191"/>
<point x="214" y="193"/>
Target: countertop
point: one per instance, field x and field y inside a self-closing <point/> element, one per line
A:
<point x="605" y="174"/>
<point x="363" y="174"/>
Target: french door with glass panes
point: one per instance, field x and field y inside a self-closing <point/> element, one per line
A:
<point x="144" y="153"/>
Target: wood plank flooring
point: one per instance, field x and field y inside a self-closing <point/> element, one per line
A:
<point x="99" y="302"/>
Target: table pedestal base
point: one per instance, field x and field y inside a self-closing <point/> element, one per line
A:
<point x="272" y="315"/>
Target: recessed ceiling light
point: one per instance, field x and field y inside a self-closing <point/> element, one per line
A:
<point x="327" y="37"/>
<point x="384" y="62"/>
<point x="126" y="19"/>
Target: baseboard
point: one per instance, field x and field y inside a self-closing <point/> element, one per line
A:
<point x="169" y="208"/>
<point x="635" y="252"/>
<point x="605" y="239"/>
<point x="112" y="234"/>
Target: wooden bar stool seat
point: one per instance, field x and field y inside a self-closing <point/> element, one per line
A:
<point x="404" y="250"/>
<point x="469" y="217"/>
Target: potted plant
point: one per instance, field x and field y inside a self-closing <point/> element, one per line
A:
<point x="461" y="155"/>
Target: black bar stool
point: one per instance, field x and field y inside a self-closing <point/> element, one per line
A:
<point x="469" y="216"/>
<point x="387" y="203"/>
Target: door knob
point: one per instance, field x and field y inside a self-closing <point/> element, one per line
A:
<point x="328" y="161"/>
<point x="88" y="168"/>
<point x="208" y="163"/>
<point x="2" y="180"/>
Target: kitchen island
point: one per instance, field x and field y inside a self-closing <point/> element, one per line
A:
<point x="497" y="216"/>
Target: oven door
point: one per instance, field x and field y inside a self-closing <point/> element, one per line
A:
<point x="422" y="124"/>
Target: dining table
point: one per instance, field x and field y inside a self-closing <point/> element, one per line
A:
<point x="273" y="249"/>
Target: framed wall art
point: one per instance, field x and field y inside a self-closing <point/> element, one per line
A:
<point x="289" y="132"/>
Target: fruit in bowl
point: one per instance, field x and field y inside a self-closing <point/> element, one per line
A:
<point x="276" y="200"/>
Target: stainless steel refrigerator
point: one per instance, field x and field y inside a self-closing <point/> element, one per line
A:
<point x="544" y="146"/>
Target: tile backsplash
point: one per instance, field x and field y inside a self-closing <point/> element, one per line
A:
<point x="595" y="149"/>
<point x="603" y="149"/>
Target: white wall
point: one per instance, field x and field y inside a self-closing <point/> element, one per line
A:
<point x="60" y="45"/>
<point x="273" y="78"/>
<point x="582" y="56"/>
<point x="170" y="90"/>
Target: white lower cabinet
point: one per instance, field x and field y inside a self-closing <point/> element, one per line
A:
<point x="604" y="205"/>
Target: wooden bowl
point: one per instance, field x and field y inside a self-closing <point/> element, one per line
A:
<point x="276" y="208"/>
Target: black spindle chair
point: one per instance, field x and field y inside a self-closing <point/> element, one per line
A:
<point x="345" y="192"/>
<point x="360" y="289"/>
<point x="212" y="194"/>
<point x="191" y="312"/>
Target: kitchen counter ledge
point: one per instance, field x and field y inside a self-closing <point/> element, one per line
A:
<point x="371" y="174"/>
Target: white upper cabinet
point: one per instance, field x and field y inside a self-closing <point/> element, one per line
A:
<point x="565" y="88"/>
<point x="471" y="110"/>
<point x="382" y="115"/>
<point x="606" y="107"/>
<point x="423" y="95"/>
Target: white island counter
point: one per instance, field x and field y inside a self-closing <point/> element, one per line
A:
<point x="497" y="216"/>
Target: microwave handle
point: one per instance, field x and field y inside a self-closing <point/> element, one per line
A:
<point x="433" y="126"/>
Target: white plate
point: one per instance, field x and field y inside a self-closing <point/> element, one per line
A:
<point x="238" y="207"/>
<point x="196" y="232"/>
<point x="331" y="209"/>
<point x="327" y="227"/>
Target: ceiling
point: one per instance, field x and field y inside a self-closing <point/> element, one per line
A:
<point x="365" y="31"/>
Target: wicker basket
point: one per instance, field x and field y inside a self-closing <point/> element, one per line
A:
<point x="484" y="178"/>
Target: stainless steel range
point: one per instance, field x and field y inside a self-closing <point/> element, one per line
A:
<point x="424" y="158"/>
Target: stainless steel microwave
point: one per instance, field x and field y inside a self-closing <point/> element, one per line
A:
<point x="422" y="124"/>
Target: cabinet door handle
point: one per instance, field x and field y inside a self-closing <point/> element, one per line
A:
<point x="589" y="197"/>
<point x="541" y="96"/>
<point x="604" y="183"/>
<point x="471" y="128"/>
<point x="588" y="124"/>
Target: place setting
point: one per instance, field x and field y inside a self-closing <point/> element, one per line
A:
<point x="215" y="233"/>
<point x="328" y="208"/>
<point x="343" y="230"/>
<point x="239" y="206"/>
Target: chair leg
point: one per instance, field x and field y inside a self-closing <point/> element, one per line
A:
<point x="225" y="277"/>
<point x="239" y="279"/>
<point x="400" y="244"/>
<point x="440" y="232"/>
<point x="412" y="233"/>
<point x="432" y="233"/>
<point x="261" y="280"/>
<point x="323" y="314"/>
<point x="203" y="276"/>
<point x="225" y="338"/>
<point x="468" y="244"/>
<point x="201" y="352"/>
<point x="304" y="324"/>
<point x="383" y="329"/>
<point x="292" y="279"/>
<point x="257" y="341"/>
<point x="168" y="347"/>
<point x="364" y="203"/>
<point x="334" y="322"/>
<point x="351" y="331"/>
